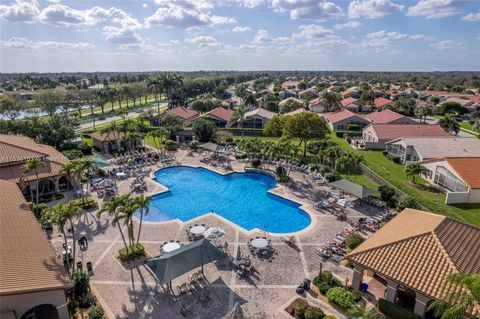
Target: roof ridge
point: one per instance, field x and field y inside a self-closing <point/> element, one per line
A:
<point x="24" y="148"/>
<point x="442" y="248"/>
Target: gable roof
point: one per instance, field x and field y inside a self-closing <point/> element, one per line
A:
<point x="349" y="100"/>
<point x="260" y="112"/>
<point x="393" y="131"/>
<point x="28" y="262"/>
<point x="183" y="112"/>
<point x="316" y="101"/>
<point x="438" y="147"/>
<point x="467" y="168"/>
<point x="104" y="137"/>
<point x="294" y="99"/>
<point x="297" y="111"/>
<point x="221" y="114"/>
<point x="419" y="249"/>
<point x="385" y="117"/>
<point x="381" y="101"/>
<point x="342" y="114"/>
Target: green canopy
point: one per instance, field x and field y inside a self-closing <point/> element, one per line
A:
<point x="210" y="146"/>
<point x="180" y="261"/>
<point x="352" y="188"/>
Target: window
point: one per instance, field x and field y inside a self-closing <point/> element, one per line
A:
<point x="447" y="180"/>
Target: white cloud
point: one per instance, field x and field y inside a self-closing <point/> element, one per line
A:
<point x="383" y="38"/>
<point x="348" y="25"/>
<point x="241" y="29"/>
<point x="372" y="9"/>
<point x="308" y="9"/>
<point x="435" y="9"/>
<point x="313" y="31"/>
<point x="472" y="17"/>
<point x="145" y="5"/>
<point x="20" y="11"/>
<point x="121" y="36"/>
<point x="24" y="43"/>
<point x="263" y="37"/>
<point x="449" y="44"/>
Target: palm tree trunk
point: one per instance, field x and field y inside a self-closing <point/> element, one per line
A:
<point x="38" y="191"/>
<point x="140" y="226"/>
<point x="74" y="244"/>
<point x="66" y="249"/>
<point x="123" y="236"/>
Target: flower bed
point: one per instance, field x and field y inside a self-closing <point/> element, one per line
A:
<point x="301" y="309"/>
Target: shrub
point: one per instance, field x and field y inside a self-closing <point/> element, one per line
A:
<point x="394" y="311"/>
<point x="407" y="202"/>
<point x="387" y="194"/>
<point x="280" y="171"/>
<point x="86" y="146"/>
<point x="299" y="306"/>
<point x="314" y="313"/>
<point x="80" y="281"/>
<point x="332" y="177"/>
<point x="326" y="277"/>
<point x="353" y="127"/>
<point x="354" y="240"/>
<point x="96" y="312"/>
<point x="385" y="153"/>
<point x="133" y="253"/>
<point x="171" y="145"/>
<point x="86" y="203"/>
<point x="394" y="158"/>
<point x="340" y="297"/>
<point x="256" y="163"/>
<point x="356" y="295"/>
<point x="329" y="317"/>
<point x="72" y="154"/>
<point x="194" y="145"/>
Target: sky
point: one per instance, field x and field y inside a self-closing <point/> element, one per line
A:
<point x="187" y="35"/>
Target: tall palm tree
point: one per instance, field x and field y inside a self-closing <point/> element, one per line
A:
<point x="251" y="101"/>
<point x="330" y="100"/>
<point x="82" y="167"/>
<point x="33" y="164"/>
<point x="240" y="91"/>
<point x="113" y="207"/>
<point x="69" y="169"/>
<point x="413" y="170"/>
<point x="363" y="312"/>
<point x="155" y="85"/>
<point x="126" y="213"/>
<point x="239" y="116"/>
<point x="157" y="135"/>
<point x="449" y="124"/>
<point x="142" y="203"/>
<point x="170" y="82"/>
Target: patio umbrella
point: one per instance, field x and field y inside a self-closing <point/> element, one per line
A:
<point x="345" y="203"/>
<point x="237" y="312"/>
<point x="214" y="233"/>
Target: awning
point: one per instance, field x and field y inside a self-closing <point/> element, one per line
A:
<point x="209" y="146"/>
<point x="352" y="188"/>
<point x="180" y="261"/>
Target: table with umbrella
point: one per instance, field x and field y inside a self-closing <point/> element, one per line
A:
<point x="171" y="246"/>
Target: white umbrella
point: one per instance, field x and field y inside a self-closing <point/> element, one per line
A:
<point x="345" y="203"/>
<point x="214" y="233"/>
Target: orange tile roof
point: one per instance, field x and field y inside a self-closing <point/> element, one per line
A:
<point x="297" y="111"/>
<point x="342" y="114"/>
<point x="393" y="131"/>
<point x="27" y="262"/>
<point x="419" y="249"/>
<point x="348" y="101"/>
<point x="381" y="101"/>
<point x="183" y="113"/>
<point x="221" y="113"/>
<point x="384" y="117"/>
<point x="468" y="168"/>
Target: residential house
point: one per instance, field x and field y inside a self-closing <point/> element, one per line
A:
<point x="33" y="283"/>
<point x="341" y="119"/>
<point x="290" y="84"/>
<point x="376" y="135"/>
<point x="308" y="94"/>
<point x="220" y="116"/>
<point x="413" y="149"/>
<point x="257" y="118"/>
<point x="107" y="142"/>
<point x="226" y="94"/>
<point x="293" y="99"/>
<point x="15" y="151"/>
<point x="352" y="104"/>
<point x="285" y="94"/>
<point x="185" y="114"/>
<point x="350" y="92"/>
<point x="389" y="117"/>
<point x="381" y="102"/>
<point x="458" y="177"/>
<point x="412" y="255"/>
<point x="470" y="105"/>
<point x="297" y="111"/>
<point x="316" y="105"/>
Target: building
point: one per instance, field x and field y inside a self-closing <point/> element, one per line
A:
<point x="389" y="117"/>
<point x="352" y="104"/>
<point x="285" y="94"/>
<point x="310" y="93"/>
<point x="350" y="92"/>
<point x="32" y="281"/>
<point x="226" y="94"/>
<point x="470" y="105"/>
<point x="341" y="119"/>
<point x="376" y="135"/>
<point x="416" y="149"/>
<point x="458" y="177"/>
<point x="107" y="142"/>
<point x="186" y="115"/>
<point x="381" y="102"/>
<point x="257" y="118"/>
<point x="220" y="116"/>
<point x="413" y="254"/>
<point x="15" y="151"/>
<point x="297" y="111"/>
<point x="316" y="105"/>
<point x="291" y="100"/>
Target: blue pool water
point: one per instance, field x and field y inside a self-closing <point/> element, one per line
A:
<point x="239" y="197"/>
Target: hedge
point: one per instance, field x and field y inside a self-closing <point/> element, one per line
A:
<point x="341" y="134"/>
<point x="133" y="252"/>
<point x="394" y="311"/>
<point x="87" y="203"/>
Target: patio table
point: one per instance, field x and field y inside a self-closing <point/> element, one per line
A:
<point x="197" y="230"/>
<point x="259" y="243"/>
<point x="170" y="247"/>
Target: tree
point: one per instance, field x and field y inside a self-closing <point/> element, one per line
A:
<point x="330" y="100"/>
<point x="240" y="91"/>
<point x="458" y="303"/>
<point x="387" y="194"/>
<point x="155" y="85"/>
<point x="367" y="97"/>
<point x="269" y="102"/>
<point x="363" y="312"/>
<point x="113" y="207"/>
<point x="33" y="164"/>
<point x="157" y="136"/>
<point x="142" y="204"/>
<point x="205" y="129"/>
<point x="449" y="124"/>
<point x="413" y="170"/>
<point x="275" y="126"/>
<point x="251" y="101"/>
<point x="48" y="101"/>
<point x="11" y="108"/>
<point x="452" y="107"/>
<point x="422" y="112"/>
<point x="239" y="115"/>
<point x="289" y="106"/>
<point x="305" y="126"/>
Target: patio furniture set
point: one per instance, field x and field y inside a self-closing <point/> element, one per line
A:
<point x="261" y="247"/>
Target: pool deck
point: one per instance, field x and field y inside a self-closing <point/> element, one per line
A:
<point x="133" y="293"/>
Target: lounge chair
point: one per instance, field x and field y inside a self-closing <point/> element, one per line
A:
<point x="290" y="240"/>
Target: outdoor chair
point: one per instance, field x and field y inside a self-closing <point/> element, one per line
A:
<point x="185" y="309"/>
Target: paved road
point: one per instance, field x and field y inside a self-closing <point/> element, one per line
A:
<point x="431" y="120"/>
<point x="112" y="118"/>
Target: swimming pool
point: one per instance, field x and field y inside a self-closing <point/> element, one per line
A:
<point x="241" y="198"/>
<point x="100" y="161"/>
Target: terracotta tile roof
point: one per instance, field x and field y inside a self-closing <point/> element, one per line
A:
<point x="342" y="114"/>
<point x="14" y="173"/>
<point x="393" y="131"/>
<point x="381" y="101"/>
<point x="297" y="111"/>
<point x="419" y="249"/>
<point x="316" y="101"/>
<point x="183" y="113"/>
<point x="349" y="90"/>
<point x="103" y="137"/>
<point x="260" y="112"/>
<point x="28" y="262"/>
<point x="384" y="117"/>
<point x="348" y="101"/>
<point x="221" y="113"/>
<point x="468" y="168"/>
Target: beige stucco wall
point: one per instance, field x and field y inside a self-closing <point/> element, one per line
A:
<point x="21" y="303"/>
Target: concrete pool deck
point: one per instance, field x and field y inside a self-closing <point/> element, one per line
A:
<point x="134" y="293"/>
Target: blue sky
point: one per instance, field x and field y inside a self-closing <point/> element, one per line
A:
<point x="137" y="35"/>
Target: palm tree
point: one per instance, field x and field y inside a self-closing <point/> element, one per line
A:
<point x="113" y="207"/>
<point x="363" y="312"/>
<point x="459" y="303"/>
<point x="125" y="213"/>
<point x="157" y="136"/>
<point x="82" y="167"/>
<point x="413" y="170"/>
<point x="170" y="82"/>
<point x="142" y="204"/>
<point x="239" y="116"/>
<point x="155" y="85"/>
<point x="251" y="101"/>
<point x="69" y="169"/>
<point x="449" y="124"/>
<point x="331" y="101"/>
<point x="240" y="91"/>
<point x="33" y="164"/>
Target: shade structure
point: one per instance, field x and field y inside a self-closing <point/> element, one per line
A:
<point x="214" y="233"/>
<point x="352" y="188"/>
<point x="344" y="203"/>
<point x="209" y="146"/>
<point x="180" y="261"/>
